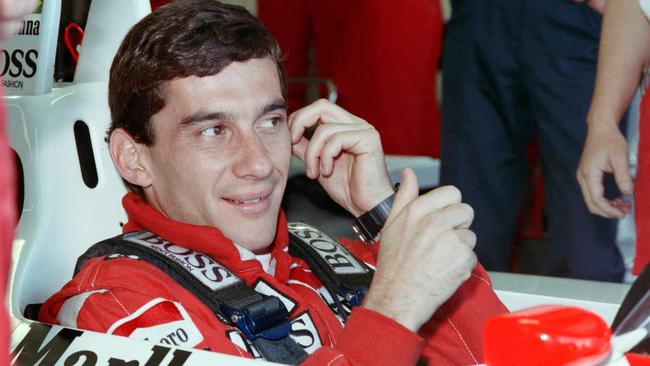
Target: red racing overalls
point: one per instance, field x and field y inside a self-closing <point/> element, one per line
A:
<point x="133" y="298"/>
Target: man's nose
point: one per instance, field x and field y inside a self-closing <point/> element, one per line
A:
<point x="254" y="161"/>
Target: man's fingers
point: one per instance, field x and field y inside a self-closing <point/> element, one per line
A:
<point x="595" y="199"/>
<point x="299" y="149"/>
<point x="584" y="188"/>
<point x="586" y="192"/>
<point x="438" y="198"/>
<point x="454" y="216"/>
<point x="606" y="209"/>
<point x="620" y="164"/>
<point x="407" y="192"/>
<point x="328" y="140"/>
<point x="321" y="111"/>
<point x="622" y="205"/>
<point x="465" y="236"/>
<point x="597" y="203"/>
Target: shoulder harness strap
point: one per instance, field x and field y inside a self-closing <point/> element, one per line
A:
<point x="263" y="319"/>
<point x="346" y="278"/>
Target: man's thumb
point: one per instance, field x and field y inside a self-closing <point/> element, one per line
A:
<point x="622" y="174"/>
<point x="408" y="191"/>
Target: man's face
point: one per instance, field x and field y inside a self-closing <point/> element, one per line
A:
<point x="222" y="151"/>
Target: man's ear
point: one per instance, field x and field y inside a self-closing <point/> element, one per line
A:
<point x="127" y="155"/>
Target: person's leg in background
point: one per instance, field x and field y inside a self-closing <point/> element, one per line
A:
<point x="485" y="129"/>
<point x="560" y="41"/>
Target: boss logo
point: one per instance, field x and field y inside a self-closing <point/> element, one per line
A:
<point x="204" y="268"/>
<point x="329" y="249"/>
<point x="304" y="332"/>
<point x="18" y="63"/>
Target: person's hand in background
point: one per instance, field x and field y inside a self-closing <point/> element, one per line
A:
<point x="605" y="151"/>
<point x="597" y="5"/>
<point x="12" y="13"/>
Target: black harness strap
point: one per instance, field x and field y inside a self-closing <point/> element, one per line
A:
<point x="345" y="277"/>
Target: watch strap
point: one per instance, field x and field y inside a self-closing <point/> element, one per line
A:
<point x="368" y="225"/>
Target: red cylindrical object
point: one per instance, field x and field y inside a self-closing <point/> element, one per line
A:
<point x="547" y="335"/>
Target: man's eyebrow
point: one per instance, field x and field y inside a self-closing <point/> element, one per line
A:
<point x="201" y="116"/>
<point x="276" y="105"/>
<point x="206" y="116"/>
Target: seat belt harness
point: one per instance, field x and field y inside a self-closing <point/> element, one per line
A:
<point x="340" y="271"/>
<point x="263" y="319"/>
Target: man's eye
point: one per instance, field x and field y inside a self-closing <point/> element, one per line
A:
<point x="212" y="131"/>
<point x="271" y="122"/>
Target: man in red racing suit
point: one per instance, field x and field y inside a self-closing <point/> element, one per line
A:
<point x="200" y="134"/>
<point x="137" y="300"/>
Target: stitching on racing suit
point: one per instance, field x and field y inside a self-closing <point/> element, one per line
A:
<point x="461" y="337"/>
<point x="481" y="279"/>
<point x="96" y="272"/>
<point x="334" y="359"/>
<point x="119" y="303"/>
<point x="83" y="281"/>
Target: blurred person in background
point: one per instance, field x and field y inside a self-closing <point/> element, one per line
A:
<point x="624" y="55"/>
<point x="514" y="70"/>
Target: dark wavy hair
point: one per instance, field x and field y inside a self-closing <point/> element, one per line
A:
<point x="181" y="39"/>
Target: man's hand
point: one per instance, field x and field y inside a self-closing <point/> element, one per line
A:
<point x="426" y="253"/>
<point x="605" y="151"/>
<point x="344" y="154"/>
<point x="12" y="13"/>
<point x="597" y="5"/>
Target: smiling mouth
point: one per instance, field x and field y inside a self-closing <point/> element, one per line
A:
<point x="250" y="201"/>
<point x="251" y="206"/>
<point x="244" y="202"/>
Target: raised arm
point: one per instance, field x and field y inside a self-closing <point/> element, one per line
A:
<point x="624" y="54"/>
<point x="426" y="245"/>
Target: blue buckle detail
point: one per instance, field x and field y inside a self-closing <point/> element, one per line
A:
<point x="354" y="296"/>
<point x="268" y="318"/>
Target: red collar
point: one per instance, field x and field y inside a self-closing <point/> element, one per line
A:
<point x="206" y="239"/>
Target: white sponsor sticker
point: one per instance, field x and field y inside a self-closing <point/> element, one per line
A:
<point x="200" y="265"/>
<point x="330" y="250"/>
<point x="304" y="332"/>
<point x="161" y="321"/>
<point x="34" y="343"/>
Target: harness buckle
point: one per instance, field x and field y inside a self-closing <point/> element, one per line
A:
<point x="267" y="318"/>
<point x="353" y="295"/>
